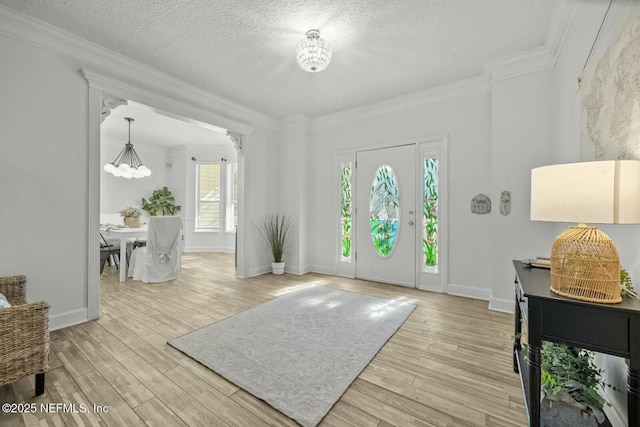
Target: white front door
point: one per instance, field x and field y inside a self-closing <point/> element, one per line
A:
<point x="386" y="215"/>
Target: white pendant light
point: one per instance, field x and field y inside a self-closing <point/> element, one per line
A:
<point x="127" y="164"/>
<point x="313" y="53"/>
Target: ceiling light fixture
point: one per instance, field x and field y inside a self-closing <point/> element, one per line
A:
<point x="127" y="164"/>
<point x="313" y="53"/>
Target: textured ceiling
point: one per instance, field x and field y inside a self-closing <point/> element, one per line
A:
<point x="244" y="50"/>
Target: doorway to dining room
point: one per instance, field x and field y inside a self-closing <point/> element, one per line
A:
<point x="168" y="103"/>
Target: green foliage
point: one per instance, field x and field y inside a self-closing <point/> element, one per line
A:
<point x="383" y="232"/>
<point x="569" y="375"/>
<point x="275" y="232"/>
<point x="430" y="212"/>
<point x="626" y="287"/>
<point x="345" y="208"/>
<point x="160" y="202"/>
<point x="130" y="212"/>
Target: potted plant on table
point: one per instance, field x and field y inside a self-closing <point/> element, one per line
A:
<point x="131" y="216"/>
<point x="275" y="232"/>
<point x="161" y="202"/>
<point x="570" y="376"/>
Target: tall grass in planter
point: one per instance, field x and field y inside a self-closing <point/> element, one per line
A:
<point x="275" y="232"/>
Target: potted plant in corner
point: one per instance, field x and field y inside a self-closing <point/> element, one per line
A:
<point x="275" y="232"/>
<point x="131" y="216"/>
<point x="161" y="202"/>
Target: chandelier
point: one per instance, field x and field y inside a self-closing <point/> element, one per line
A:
<point x="127" y="164"/>
<point x="313" y="53"/>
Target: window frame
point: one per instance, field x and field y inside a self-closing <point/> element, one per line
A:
<point x="199" y="201"/>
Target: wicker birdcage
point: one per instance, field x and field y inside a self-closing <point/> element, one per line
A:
<point x="585" y="265"/>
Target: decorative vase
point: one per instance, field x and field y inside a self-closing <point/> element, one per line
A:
<point x="132" y="222"/>
<point x="277" y="267"/>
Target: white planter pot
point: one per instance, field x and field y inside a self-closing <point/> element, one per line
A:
<point x="277" y="267"/>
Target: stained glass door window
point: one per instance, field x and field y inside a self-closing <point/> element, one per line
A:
<point x="384" y="210"/>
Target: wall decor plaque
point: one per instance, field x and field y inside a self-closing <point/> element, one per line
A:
<point x="481" y="204"/>
<point x="505" y="202"/>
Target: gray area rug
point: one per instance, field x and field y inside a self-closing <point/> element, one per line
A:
<point x="299" y="352"/>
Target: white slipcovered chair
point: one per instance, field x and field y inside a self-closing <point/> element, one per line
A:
<point x="159" y="261"/>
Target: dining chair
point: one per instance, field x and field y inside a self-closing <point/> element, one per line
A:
<point x="108" y="251"/>
<point x="132" y="245"/>
<point x="160" y="259"/>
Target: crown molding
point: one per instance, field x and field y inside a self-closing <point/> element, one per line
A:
<point x="540" y="58"/>
<point x="160" y="98"/>
<point x="561" y="22"/>
<point x="531" y="61"/>
<point x="90" y="56"/>
<point x="297" y="120"/>
<point x="448" y="92"/>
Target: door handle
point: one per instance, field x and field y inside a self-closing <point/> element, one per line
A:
<point x="410" y="222"/>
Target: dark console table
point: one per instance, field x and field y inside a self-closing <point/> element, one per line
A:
<point x="605" y="328"/>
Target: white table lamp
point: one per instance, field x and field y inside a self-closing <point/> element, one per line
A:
<point x="584" y="261"/>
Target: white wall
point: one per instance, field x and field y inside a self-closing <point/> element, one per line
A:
<point x="293" y="190"/>
<point x="467" y="122"/>
<point x="521" y="140"/>
<point x="43" y="178"/>
<point x="262" y="167"/>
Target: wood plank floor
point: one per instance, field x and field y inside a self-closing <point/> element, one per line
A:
<point x="449" y="364"/>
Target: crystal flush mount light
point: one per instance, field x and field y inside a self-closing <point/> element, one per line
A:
<point x="127" y="164"/>
<point x="313" y="53"/>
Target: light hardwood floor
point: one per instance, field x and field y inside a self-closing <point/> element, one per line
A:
<point x="449" y="364"/>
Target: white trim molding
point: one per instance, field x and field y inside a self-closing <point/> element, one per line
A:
<point x="88" y="56"/>
<point x="236" y="138"/>
<point x="448" y="92"/>
<point x="69" y="318"/>
<point x="561" y="22"/>
<point x="517" y="65"/>
<point x="165" y="98"/>
<point x="502" y="305"/>
<point x="469" y="292"/>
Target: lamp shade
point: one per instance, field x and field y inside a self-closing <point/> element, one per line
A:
<point x="601" y="192"/>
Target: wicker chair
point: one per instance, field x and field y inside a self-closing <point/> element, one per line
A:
<point x="24" y="335"/>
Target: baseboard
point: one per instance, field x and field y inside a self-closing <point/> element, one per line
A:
<point x="468" y="292"/>
<point x="503" y="305"/>
<point x="228" y="250"/>
<point x="296" y="270"/>
<point x="325" y="269"/>
<point x="70" y="318"/>
<point x="257" y="271"/>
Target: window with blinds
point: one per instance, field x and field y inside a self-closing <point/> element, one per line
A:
<point x="208" y="196"/>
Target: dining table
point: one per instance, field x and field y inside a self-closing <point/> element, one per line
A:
<point x="124" y="234"/>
